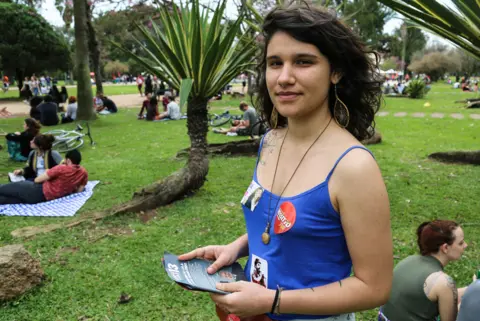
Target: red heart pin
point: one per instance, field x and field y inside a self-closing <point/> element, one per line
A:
<point x="285" y="218"/>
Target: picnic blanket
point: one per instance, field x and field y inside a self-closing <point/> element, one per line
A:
<point x="65" y="206"/>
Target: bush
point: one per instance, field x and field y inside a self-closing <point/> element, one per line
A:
<point x="416" y="89"/>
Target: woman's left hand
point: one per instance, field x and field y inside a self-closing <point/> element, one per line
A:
<point x="246" y="298"/>
<point x="17" y="133"/>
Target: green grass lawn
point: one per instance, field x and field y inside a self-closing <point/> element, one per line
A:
<point x="90" y="265"/>
<point x="108" y="89"/>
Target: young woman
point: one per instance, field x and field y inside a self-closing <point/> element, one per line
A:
<point x="421" y="291"/>
<point x="324" y="206"/>
<point x="71" y="113"/>
<point x="41" y="158"/>
<point x="19" y="143"/>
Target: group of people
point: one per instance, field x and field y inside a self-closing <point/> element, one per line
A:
<point x="45" y="109"/>
<point x="149" y="110"/>
<point x="34" y="86"/>
<point x="318" y="236"/>
<point x="47" y="177"/>
<point x="153" y="86"/>
<point x="104" y="105"/>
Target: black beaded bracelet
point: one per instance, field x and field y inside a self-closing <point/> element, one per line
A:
<point x="277" y="293"/>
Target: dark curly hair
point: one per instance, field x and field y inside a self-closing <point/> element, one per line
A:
<point x="360" y="85"/>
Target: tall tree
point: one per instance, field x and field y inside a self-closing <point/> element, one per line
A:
<point x="413" y="41"/>
<point x="194" y="45"/>
<point x="367" y="18"/>
<point x="84" y="86"/>
<point x="94" y="48"/>
<point x="28" y="44"/>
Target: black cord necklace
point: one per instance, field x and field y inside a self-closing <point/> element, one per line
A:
<point x="266" y="234"/>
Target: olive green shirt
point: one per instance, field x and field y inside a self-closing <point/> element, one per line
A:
<point x="408" y="301"/>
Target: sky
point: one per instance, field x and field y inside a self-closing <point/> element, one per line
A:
<point x="51" y="14"/>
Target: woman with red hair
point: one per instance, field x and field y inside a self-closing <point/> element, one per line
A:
<point x="421" y="290"/>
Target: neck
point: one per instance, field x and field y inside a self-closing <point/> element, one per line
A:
<point x="309" y="126"/>
<point x="40" y="152"/>
<point x="442" y="259"/>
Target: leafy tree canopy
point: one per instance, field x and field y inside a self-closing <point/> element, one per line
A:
<point x="28" y="43"/>
<point x="435" y="64"/>
<point x="415" y="41"/>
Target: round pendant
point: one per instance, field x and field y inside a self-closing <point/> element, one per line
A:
<point x="265" y="238"/>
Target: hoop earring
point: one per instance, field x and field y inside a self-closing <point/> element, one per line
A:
<point x="340" y="111"/>
<point x="274" y="118"/>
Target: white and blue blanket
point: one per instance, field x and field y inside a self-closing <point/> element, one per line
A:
<point x="65" y="206"/>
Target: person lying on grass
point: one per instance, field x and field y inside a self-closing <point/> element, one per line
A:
<point x="60" y="181"/>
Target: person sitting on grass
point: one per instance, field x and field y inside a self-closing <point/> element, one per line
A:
<point x="63" y="94"/>
<point x="48" y="112"/>
<point x="152" y="110"/>
<point x="173" y="110"/>
<point x="242" y="127"/>
<point x="145" y="105"/>
<point x="34" y="112"/>
<point x="41" y="158"/>
<point x="107" y="106"/>
<point x="71" y="113"/>
<point x="421" y="290"/>
<point x="18" y="144"/>
<point x="470" y="307"/>
<point x="55" y="183"/>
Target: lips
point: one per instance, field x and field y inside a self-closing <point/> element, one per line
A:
<point x="287" y="96"/>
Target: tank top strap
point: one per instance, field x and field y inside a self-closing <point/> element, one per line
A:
<point x="343" y="155"/>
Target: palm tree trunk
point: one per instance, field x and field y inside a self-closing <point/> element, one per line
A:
<point x="84" y="87"/>
<point x="94" y="47"/>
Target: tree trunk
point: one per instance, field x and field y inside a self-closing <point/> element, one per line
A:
<point x="250" y="147"/>
<point x="186" y="180"/>
<point x="84" y="87"/>
<point x="19" y="75"/>
<point x="459" y="157"/>
<point x="94" y="47"/>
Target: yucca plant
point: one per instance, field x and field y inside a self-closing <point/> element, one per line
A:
<point x="198" y="54"/>
<point x="416" y="89"/>
<point x="460" y="23"/>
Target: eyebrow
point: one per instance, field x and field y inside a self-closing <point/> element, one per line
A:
<point x="299" y="55"/>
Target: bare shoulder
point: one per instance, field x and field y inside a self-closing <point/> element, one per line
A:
<point x="358" y="162"/>
<point x="439" y="284"/>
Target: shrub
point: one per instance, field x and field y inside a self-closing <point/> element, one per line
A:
<point x="416" y="89"/>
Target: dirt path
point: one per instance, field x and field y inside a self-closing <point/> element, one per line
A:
<point x="123" y="101"/>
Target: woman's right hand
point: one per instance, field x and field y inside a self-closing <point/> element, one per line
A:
<point x="18" y="172"/>
<point x="222" y="255"/>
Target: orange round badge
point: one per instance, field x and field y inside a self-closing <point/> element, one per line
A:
<point x="285" y="218"/>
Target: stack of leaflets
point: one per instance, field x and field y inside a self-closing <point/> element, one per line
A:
<point x="193" y="274"/>
<point x="15" y="178"/>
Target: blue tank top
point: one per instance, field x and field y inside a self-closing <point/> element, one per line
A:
<point x="307" y="247"/>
